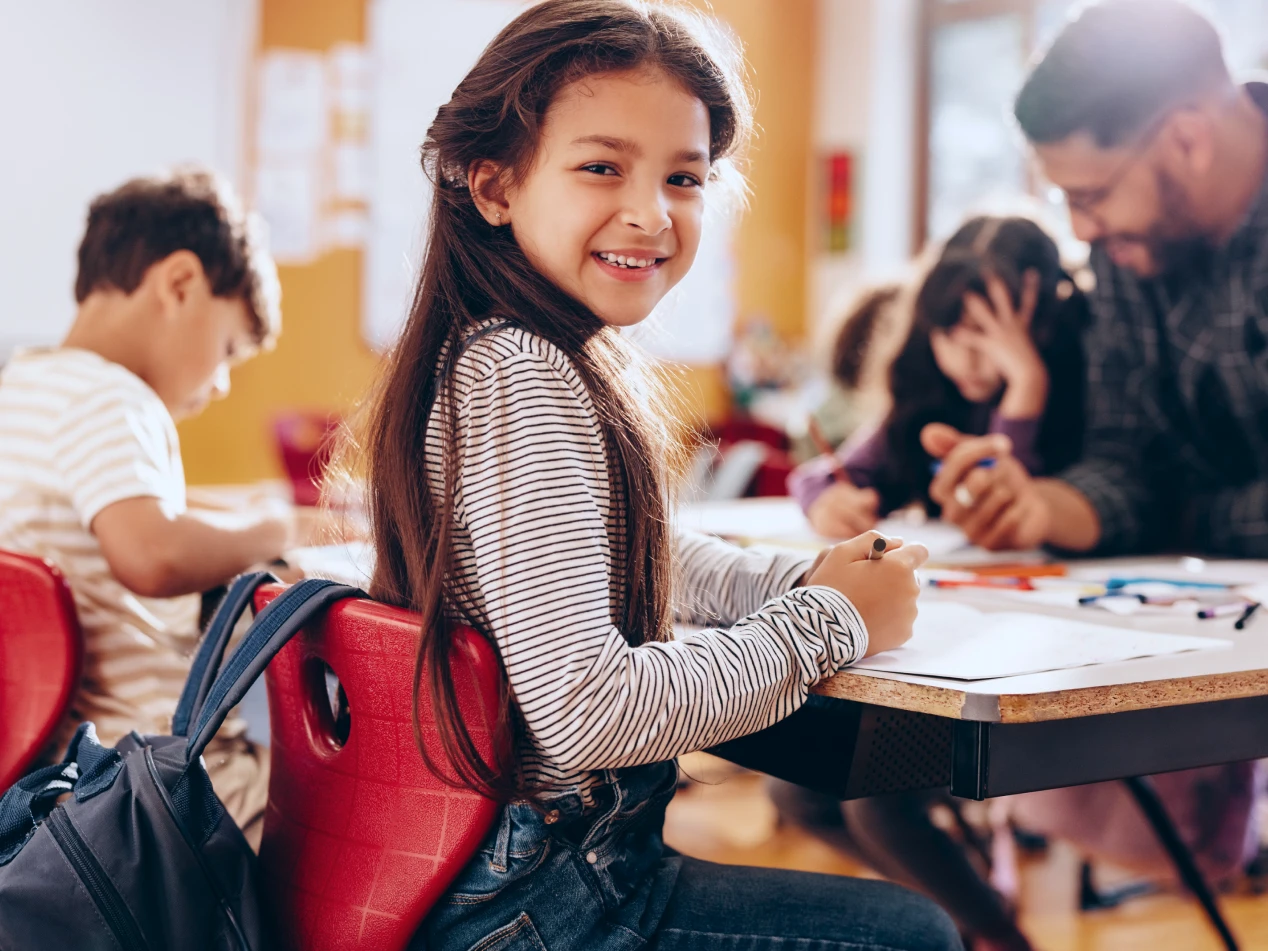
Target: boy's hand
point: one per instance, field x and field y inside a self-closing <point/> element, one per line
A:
<point x="159" y="555"/>
<point x="884" y="590"/>
<point x="843" y="511"/>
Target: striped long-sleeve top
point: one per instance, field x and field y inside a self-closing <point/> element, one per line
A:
<point x="535" y="543"/>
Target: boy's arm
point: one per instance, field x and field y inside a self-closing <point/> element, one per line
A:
<point x="159" y="555"/>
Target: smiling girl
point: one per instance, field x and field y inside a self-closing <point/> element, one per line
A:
<point x="517" y="463"/>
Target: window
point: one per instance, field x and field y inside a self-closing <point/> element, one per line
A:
<point x="974" y="55"/>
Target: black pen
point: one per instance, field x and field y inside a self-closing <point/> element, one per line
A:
<point x="1251" y="608"/>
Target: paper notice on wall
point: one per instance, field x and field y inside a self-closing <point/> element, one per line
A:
<point x="351" y="173"/>
<point x="293" y="117"/>
<point x="288" y="199"/>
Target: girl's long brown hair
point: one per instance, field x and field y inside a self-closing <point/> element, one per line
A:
<point x="472" y="271"/>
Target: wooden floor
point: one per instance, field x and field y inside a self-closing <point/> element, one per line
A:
<point x="727" y="818"/>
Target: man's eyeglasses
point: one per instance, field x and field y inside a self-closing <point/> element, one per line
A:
<point x="1088" y="201"/>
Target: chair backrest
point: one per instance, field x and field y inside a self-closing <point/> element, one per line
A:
<point x="360" y="839"/>
<point x="41" y="650"/>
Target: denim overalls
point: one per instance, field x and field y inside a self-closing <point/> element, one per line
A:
<point x="592" y="878"/>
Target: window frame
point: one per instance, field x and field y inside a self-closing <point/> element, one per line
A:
<point x="934" y="14"/>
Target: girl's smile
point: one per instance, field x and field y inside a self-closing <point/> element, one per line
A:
<point x="629" y="264"/>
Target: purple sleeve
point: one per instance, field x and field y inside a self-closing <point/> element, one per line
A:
<point x="860" y="459"/>
<point x="1024" y="434"/>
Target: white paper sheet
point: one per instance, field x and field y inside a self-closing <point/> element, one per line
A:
<point x="779" y="521"/>
<point x="348" y="563"/>
<point x="962" y="643"/>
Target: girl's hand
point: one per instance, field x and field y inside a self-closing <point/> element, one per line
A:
<point x="1003" y="334"/>
<point x="843" y="511"/>
<point x="883" y="591"/>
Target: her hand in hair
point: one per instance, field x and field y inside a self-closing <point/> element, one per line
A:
<point x="1002" y="332"/>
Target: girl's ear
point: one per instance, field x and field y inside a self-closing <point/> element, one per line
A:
<point x="484" y="181"/>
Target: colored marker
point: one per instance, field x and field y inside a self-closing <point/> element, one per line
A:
<point x="878" y="549"/>
<point x="988" y="463"/>
<point x="1113" y="583"/>
<point x="825" y="448"/>
<point x="1010" y="584"/>
<point x="1223" y="610"/>
<point x="1241" y="622"/>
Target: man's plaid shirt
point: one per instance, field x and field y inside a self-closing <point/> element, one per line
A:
<point x="1176" y="446"/>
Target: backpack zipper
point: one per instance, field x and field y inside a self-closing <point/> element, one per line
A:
<point x="95" y="879"/>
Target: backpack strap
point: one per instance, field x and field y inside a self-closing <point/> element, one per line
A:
<point x="284" y="617"/>
<point x="211" y="651"/>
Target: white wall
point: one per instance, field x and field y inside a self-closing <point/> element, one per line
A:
<point x="866" y="100"/>
<point x="94" y="93"/>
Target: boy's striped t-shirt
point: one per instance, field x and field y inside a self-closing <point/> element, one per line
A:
<point x="77" y="434"/>
<point x="539" y="553"/>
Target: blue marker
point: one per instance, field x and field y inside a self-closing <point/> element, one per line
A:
<point x="1115" y="583"/>
<point x="988" y="463"/>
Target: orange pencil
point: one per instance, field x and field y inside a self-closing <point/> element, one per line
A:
<point x="825" y="448"/>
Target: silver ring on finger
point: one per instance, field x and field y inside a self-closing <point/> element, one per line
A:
<point x="963" y="496"/>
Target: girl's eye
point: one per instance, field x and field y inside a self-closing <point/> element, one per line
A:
<point x="599" y="168"/>
<point x="684" y="180"/>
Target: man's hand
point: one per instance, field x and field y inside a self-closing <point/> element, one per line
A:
<point x="998" y="507"/>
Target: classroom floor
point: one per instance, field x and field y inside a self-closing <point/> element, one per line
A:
<point x="727" y="818"/>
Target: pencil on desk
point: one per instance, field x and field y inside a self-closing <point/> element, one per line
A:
<point x="825" y="448"/>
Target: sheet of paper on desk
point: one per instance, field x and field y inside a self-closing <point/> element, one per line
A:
<point x="779" y="521"/>
<point x="962" y="643"/>
<point x="348" y="563"/>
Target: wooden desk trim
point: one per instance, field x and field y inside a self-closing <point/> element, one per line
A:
<point x="1041" y="707"/>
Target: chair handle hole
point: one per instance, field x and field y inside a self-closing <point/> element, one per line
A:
<point x="329" y="701"/>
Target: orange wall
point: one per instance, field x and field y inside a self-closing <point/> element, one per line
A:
<point x="321" y="361"/>
<point x="779" y="43"/>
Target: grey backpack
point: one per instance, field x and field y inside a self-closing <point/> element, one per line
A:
<point x="142" y="856"/>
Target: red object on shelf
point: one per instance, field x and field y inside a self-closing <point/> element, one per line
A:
<point x="305" y="442"/>
<point x="41" y="650"/>
<point x="360" y="839"/>
<point x="771" y="476"/>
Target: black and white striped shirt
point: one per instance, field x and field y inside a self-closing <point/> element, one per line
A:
<point x="534" y="513"/>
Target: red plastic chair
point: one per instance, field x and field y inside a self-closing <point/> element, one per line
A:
<point x="41" y="650"/>
<point x="360" y="839"/>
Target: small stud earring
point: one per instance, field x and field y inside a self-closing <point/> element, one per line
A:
<point x="499" y="219"/>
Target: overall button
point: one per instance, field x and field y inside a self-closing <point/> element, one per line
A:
<point x="592" y="857"/>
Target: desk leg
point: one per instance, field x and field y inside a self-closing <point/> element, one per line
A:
<point x="1151" y="805"/>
